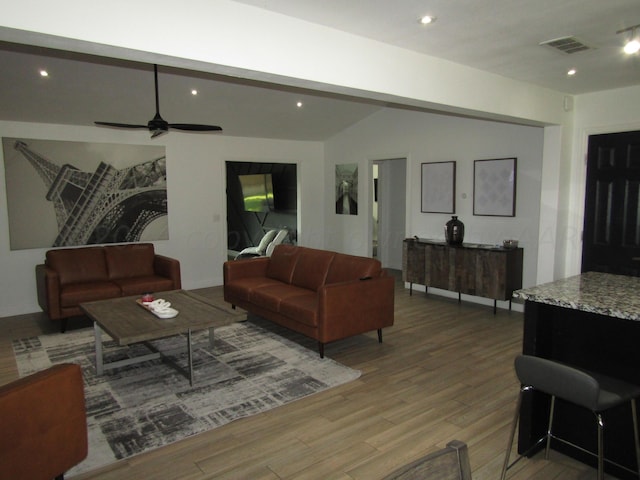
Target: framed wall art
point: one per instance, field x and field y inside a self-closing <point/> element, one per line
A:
<point x="494" y="187"/>
<point x="84" y="193"/>
<point x="347" y="189"/>
<point x="438" y="191"/>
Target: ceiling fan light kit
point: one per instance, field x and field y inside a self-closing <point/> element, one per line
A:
<point x="157" y="125"/>
<point x="632" y="46"/>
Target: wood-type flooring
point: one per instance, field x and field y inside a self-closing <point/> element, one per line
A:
<point x="444" y="371"/>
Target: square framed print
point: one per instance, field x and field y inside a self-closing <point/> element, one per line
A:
<point x="494" y="187"/>
<point x="438" y="187"/>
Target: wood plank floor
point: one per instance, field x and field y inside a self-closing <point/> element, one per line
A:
<point x="443" y="372"/>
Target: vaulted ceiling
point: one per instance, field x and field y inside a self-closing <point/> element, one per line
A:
<point x="499" y="36"/>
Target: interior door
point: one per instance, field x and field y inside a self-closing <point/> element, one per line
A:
<point x="611" y="241"/>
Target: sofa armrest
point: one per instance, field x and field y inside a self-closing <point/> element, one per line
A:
<point x="44" y="423"/>
<point x="350" y="308"/>
<point x="169" y="268"/>
<point x="245" y="268"/>
<point x="48" y="288"/>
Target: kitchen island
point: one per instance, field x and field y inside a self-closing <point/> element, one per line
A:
<point x="592" y="321"/>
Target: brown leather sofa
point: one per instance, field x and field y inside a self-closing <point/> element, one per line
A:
<point x="72" y="276"/>
<point x="44" y="424"/>
<point x="324" y="295"/>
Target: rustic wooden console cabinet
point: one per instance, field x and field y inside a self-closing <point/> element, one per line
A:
<point x="473" y="269"/>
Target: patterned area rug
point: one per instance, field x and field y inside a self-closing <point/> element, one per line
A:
<point x="144" y="406"/>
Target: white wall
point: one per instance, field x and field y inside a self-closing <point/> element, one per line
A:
<point x="422" y="137"/>
<point x="226" y="37"/>
<point x="228" y="33"/>
<point x="601" y="112"/>
<point x="196" y="196"/>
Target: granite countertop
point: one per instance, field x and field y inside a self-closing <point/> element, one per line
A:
<point x="602" y="293"/>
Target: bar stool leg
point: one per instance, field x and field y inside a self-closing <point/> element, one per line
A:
<point x="548" y="446"/>
<point x="514" y="424"/>
<point x="600" y="446"/>
<point x="634" y="416"/>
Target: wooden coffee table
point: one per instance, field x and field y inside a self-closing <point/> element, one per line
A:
<point x="127" y="323"/>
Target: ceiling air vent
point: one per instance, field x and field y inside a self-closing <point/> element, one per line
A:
<point x="566" y="45"/>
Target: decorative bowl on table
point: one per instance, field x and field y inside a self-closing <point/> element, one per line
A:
<point x="159" y="307"/>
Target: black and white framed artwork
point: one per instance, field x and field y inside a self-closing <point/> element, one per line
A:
<point x="62" y="193"/>
<point x="438" y="187"/>
<point x="494" y="187"/>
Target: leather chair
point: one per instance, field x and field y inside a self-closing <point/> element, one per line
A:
<point x="278" y="239"/>
<point x="266" y="246"/>
<point x="450" y="463"/>
<point x="44" y="424"/>
<point x="589" y="390"/>
<point x="259" y="249"/>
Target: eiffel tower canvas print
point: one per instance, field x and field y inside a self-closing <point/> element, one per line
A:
<point x="63" y="193"/>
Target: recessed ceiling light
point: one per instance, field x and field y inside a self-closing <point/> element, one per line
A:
<point x="572" y="72"/>
<point x="299" y="104"/>
<point x="427" y="19"/>
<point x="194" y="92"/>
<point x="44" y="73"/>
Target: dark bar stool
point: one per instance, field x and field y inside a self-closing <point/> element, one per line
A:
<point x="593" y="391"/>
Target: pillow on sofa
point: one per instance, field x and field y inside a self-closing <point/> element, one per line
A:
<point x="127" y="261"/>
<point x="282" y="261"/>
<point x="78" y="265"/>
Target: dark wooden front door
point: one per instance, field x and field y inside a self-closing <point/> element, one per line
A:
<point x="611" y="241"/>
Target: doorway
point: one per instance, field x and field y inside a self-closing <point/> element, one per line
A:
<point x="388" y="212"/>
<point x="611" y="240"/>
<point x="260" y="197"/>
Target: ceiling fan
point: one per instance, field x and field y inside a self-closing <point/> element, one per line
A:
<point x="157" y="125"/>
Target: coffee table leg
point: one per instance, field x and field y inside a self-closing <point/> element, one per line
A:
<point x="99" y="359"/>
<point x="190" y="357"/>
<point x="211" y="339"/>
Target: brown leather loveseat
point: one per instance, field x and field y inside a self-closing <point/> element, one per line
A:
<point x="324" y="295"/>
<point x="72" y="276"/>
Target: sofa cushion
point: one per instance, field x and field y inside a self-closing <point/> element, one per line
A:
<point x="270" y="296"/>
<point x="311" y="268"/>
<point x="241" y="289"/>
<point x="143" y="284"/>
<point x="301" y="308"/>
<point x="345" y="268"/>
<point x="76" y="265"/>
<point x="282" y="262"/>
<point x="127" y="261"/>
<point x="76" y="293"/>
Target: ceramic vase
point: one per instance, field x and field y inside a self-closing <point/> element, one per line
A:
<point x="454" y="231"/>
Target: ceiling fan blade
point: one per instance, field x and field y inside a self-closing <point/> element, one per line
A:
<point x="195" y="127"/>
<point x="158" y="125"/>
<point x="120" y="125"/>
